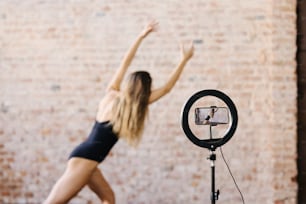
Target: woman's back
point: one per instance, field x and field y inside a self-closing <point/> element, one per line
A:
<point x="105" y="109"/>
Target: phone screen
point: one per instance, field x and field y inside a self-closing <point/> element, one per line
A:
<point x="217" y="115"/>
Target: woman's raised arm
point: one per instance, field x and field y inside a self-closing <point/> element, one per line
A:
<point x="186" y="54"/>
<point x="117" y="78"/>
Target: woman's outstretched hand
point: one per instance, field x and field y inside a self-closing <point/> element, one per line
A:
<point x="187" y="50"/>
<point x="152" y="26"/>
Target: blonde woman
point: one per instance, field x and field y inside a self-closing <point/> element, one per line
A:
<point x="121" y="114"/>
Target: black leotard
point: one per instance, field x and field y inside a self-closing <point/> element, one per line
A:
<point x="98" y="144"/>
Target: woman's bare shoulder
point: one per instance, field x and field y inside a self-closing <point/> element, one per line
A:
<point x="110" y="96"/>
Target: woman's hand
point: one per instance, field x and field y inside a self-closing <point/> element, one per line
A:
<point x="187" y="51"/>
<point x="129" y="56"/>
<point x="152" y="26"/>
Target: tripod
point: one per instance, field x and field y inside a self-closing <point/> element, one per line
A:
<point x="211" y="143"/>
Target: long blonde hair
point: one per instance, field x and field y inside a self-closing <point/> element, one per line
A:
<point x="131" y="108"/>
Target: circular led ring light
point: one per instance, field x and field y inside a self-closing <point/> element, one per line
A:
<point x="211" y="144"/>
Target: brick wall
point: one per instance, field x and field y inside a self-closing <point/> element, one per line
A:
<point x="56" y="58"/>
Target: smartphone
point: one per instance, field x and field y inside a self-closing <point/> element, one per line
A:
<point x="211" y="115"/>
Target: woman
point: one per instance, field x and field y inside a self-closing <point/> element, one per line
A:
<point x="121" y="114"/>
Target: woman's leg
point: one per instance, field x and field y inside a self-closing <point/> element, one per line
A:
<point x="76" y="176"/>
<point x="100" y="186"/>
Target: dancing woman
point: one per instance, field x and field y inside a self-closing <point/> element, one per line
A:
<point x="121" y="114"/>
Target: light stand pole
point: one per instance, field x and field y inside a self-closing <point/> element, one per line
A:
<point x="214" y="194"/>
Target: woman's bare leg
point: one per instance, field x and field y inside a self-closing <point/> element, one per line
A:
<point x="100" y="186"/>
<point x="76" y="176"/>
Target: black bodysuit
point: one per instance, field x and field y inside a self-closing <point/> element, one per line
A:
<point x="98" y="144"/>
